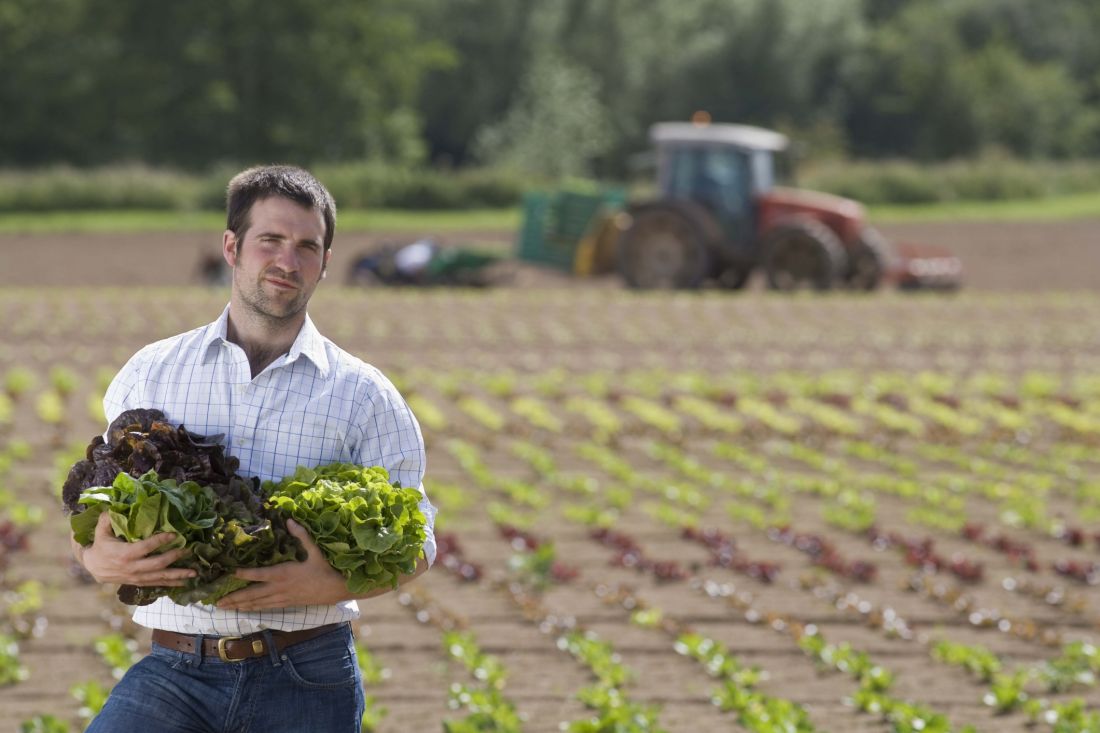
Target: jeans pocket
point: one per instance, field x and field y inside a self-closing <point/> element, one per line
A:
<point x="322" y="666"/>
<point x="174" y="659"/>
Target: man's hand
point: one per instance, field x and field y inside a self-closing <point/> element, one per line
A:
<point x="111" y="560"/>
<point x="312" y="582"/>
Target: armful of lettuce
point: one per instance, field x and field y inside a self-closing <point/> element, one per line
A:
<point x="224" y="526"/>
<point x="370" y="530"/>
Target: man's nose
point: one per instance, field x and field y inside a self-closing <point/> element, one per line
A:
<point x="286" y="259"/>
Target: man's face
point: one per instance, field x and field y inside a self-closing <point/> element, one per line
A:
<point x="280" y="260"/>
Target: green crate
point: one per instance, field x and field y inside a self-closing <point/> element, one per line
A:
<point x="554" y="223"/>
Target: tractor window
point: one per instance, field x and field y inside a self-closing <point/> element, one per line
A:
<point x="720" y="178"/>
<point x="717" y="177"/>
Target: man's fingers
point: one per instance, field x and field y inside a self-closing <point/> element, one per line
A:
<point x="160" y="562"/>
<point x="162" y="578"/>
<point x="244" y="596"/>
<point x="303" y="536"/>
<point x="253" y="598"/>
<point x="150" y="544"/>
<point x="103" y="529"/>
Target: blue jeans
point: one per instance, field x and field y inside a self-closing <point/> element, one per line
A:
<point x="314" y="685"/>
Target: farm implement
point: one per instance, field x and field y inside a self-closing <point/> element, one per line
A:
<point x="426" y="263"/>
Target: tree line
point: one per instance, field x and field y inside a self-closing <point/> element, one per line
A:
<point x="549" y="87"/>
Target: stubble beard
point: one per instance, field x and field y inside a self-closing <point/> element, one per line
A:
<point x="265" y="308"/>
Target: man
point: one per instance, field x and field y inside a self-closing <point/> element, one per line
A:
<point x="277" y="655"/>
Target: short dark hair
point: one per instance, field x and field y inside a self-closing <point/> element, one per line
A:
<point x="287" y="181"/>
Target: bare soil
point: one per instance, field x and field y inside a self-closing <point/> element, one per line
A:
<point x="1029" y="256"/>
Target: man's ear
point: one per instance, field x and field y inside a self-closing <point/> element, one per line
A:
<point x="229" y="247"/>
<point x="324" y="264"/>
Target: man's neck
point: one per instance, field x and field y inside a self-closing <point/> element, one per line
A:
<point x="264" y="340"/>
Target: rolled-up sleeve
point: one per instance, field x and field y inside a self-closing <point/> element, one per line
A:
<point x="391" y="438"/>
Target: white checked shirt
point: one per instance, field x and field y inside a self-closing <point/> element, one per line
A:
<point x="314" y="405"/>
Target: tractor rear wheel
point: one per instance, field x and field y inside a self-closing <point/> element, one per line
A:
<point x="867" y="260"/>
<point x="803" y="253"/>
<point x="665" y="246"/>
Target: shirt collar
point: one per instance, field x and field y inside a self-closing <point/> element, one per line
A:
<point x="309" y="342"/>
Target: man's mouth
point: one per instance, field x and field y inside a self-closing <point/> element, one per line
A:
<point x="280" y="283"/>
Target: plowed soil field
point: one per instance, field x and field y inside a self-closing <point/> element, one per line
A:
<point x="835" y="513"/>
<point x="1028" y="256"/>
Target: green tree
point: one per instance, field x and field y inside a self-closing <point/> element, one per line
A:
<point x="210" y="80"/>
<point x="908" y="98"/>
<point x="777" y="65"/>
<point x="556" y="126"/>
<point x="946" y="79"/>
<point x="49" y="89"/>
<point x="752" y="61"/>
<point x="490" y="40"/>
<point x="1034" y="110"/>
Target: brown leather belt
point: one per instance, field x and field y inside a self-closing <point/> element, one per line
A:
<point x="238" y="648"/>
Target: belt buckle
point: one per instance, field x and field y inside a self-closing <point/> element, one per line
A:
<point x="224" y="655"/>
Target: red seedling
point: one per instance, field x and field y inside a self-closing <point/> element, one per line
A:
<point x="1083" y="572"/>
<point x="724" y="554"/>
<point x="449" y="553"/>
<point x="520" y="540"/>
<point x="921" y="553"/>
<point x="823" y="554"/>
<point x="630" y="555"/>
<point x="972" y="531"/>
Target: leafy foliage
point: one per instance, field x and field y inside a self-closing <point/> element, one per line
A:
<point x="488" y="710"/>
<point x="556" y="126"/>
<point x="44" y="724"/>
<point x="224" y="526"/>
<point x="11" y="668"/>
<point x="92" y="696"/>
<point x="370" y="531"/>
<point x="117" y="652"/>
<point x="563" y="86"/>
<point x="360" y="63"/>
<point x="139" y="441"/>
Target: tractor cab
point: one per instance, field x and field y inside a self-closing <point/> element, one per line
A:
<point x="724" y="168"/>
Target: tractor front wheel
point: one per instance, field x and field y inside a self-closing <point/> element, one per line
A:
<point x="802" y="254"/>
<point x="867" y="260"/>
<point x="664" y="247"/>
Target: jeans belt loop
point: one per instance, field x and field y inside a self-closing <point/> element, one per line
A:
<point x="272" y="651"/>
<point x="199" y="659"/>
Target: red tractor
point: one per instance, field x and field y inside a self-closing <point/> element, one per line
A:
<point x="721" y="214"/>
